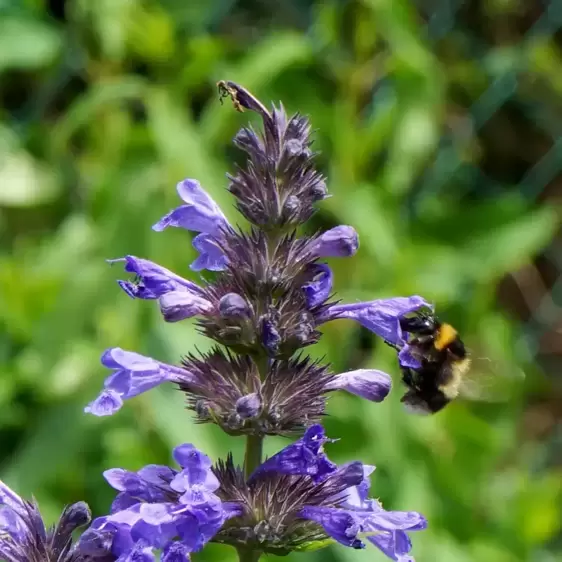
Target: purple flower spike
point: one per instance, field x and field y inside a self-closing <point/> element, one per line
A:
<point x="305" y="456"/>
<point x="199" y="214"/>
<point x="381" y="317"/>
<point x="133" y="374"/>
<point x="367" y="383"/>
<point x="318" y="290"/>
<point x="339" y="242"/>
<point x="153" y="280"/>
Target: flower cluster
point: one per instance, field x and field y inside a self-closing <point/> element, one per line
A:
<point x="270" y="294"/>
<point x="299" y="497"/>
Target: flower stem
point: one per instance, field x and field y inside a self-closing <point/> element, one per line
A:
<point x="252" y="458"/>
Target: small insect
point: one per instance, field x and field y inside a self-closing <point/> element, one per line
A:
<point x="446" y="368"/>
<point x="228" y="89"/>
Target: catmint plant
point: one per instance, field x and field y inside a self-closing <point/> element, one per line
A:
<point x="268" y="298"/>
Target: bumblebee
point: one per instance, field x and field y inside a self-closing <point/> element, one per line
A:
<point x="443" y="363"/>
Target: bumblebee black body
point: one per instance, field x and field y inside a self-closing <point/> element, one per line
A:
<point x="443" y="361"/>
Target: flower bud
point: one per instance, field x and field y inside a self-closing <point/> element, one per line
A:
<point x="339" y="242"/>
<point x="248" y="406"/>
<point x="232" y="305"/>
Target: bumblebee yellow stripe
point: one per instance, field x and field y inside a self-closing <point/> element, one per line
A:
<point x="445" y="336"/>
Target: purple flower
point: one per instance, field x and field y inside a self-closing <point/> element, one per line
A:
<point x="358" y="514"/>
<point x="381" y="317"/>
<point x="24" y="536"/>
<point x="305" y="456"/>
<point x="178" y="298"/>
<point x="199" y="214"/>
<point x="319" y="288"/>
<point x="367" y="383"/>
<point x="158" y="507"/>
<point x="152" y="280"/>
<point x="132" y="375"/>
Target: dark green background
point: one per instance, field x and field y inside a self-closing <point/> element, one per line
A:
<point x="434" y="127"/>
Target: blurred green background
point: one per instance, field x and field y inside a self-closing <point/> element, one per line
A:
<point x="439" y="125"/>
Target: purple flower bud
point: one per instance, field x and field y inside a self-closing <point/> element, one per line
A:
<point x="74" y="516"/>
<point x="232" y="305"/>
<point x="339" y="242"/>
<point x="270" y="337"/>
<point x="291" y="205"/>
<point x="199" y="214"/>
<point x="319" y="190"/>
<point x="248" y="406"/>
<point x="368" y="383"/>
<point x="296" y="147"/>
<point x="179" y="305"/>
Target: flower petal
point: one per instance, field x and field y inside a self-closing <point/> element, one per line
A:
<point x="211" y="257"/>
<point x="196" y="469"/>
<point x="381" y="317"/>
<point x="106" y="404"/>
<point x="340" y="524"/>
<point x="305" y="457"/>
<point x="200" y="214"/>
<point x="10" y="499"/>
<point x="141" y="552"/>
<point x="368" y="383"/>
<point x="133" y="374"/>
<point x="175" y="552"/>
<point x="153" y="280"/>
<point x="318" y="290"/>
<point x="395" y="544"/>
<point x="357" y="495"/>
<point x="406" y="359"/>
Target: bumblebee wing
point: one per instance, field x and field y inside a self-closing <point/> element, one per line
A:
<point x="490" y="380"/>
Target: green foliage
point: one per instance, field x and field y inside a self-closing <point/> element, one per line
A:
<point x="105" y="111"/>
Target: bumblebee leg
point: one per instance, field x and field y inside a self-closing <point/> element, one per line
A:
<point x="408" y="377"/>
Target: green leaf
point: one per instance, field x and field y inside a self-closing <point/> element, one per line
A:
<point x="24" y="182"/>
<point x="509" y="246"/>
<point x="27" y="44"/>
